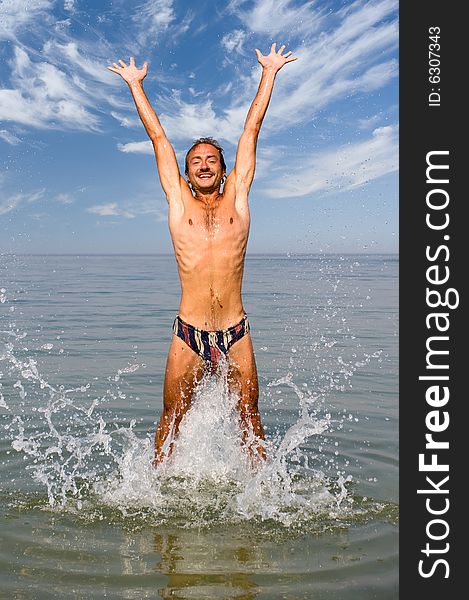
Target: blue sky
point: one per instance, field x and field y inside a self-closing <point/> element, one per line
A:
<point x="78" y="173"/>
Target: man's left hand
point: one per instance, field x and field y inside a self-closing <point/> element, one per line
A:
<point x="275" y="59"/>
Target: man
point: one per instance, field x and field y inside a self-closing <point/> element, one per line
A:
<point x="209" y="229"/>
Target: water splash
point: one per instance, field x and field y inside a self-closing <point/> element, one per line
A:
<point x="89" y="462"/>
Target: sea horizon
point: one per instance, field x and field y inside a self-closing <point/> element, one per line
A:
<point x="287" y="254"/>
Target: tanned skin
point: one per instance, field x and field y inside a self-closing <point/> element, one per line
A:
<point x="209" y="228"/>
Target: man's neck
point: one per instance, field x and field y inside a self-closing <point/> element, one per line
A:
<point x="207" y="197"/>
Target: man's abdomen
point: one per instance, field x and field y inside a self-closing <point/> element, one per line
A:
<point x="211" y="297"/>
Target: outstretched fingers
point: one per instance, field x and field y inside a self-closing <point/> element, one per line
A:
<point x="129" y="72"/>
<point x="288" y="55"/>
<point x="275" y="59"/>
<point x="115" y="68"/>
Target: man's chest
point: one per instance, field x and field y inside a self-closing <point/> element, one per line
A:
<point x="215" y="223"/>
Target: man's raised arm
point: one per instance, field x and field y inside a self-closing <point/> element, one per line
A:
<point x="243" y="172"/>
<point x="165" y="157"/>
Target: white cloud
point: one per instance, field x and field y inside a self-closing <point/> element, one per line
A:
<point x="94" y="69"/>
<point x="344" y="61"/>
<point x="350" y="57"/>
<point x="360" y="16"/>
<point x="183" y="121"/>
<point x="194" y="93"/>
<point x="136" y="147"/>
<point x="373" y="121"/>
<point x="45" y="96"/>
<point x="125" y="121"/>
<point x="275" y="16"/>
<point x="9" y="138"/>
<point x="340" y="168"/>
<point x="17" y="14"/>
<point x="153" y="17"/>
<point x="64" y="198"/>
<point x="142" y="206"/>
<point x="110" y="210"/>
<point x="234" y="40"/>
<point x="14" y="201"/>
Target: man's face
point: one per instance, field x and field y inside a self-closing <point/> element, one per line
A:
<point x="204" y="168"/>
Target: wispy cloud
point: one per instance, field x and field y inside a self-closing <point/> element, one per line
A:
<point x="274" y="16"/>
<point x="338" y="169"/>
<point x="153" y="17"/>
<point x="136" y="147"/>
<point x="234" y="40"/>
<point x="16" y="200"/>
<point x="9" y="137"/>
<point x="69" y="5"/>
<point x="69" y="52"/>
<point x="189" y="120"/>
<point x="64" y="198"/>
<point x="45" y="96"/>
<point x="53" y="76"/>
<point x="348" y="58"/>
<point x="125" y="120"/>
<point x="373" y="121"/>
<point x="15" y="15"/>
<point x="143" y="206"/>
<point x="111" y="209"/>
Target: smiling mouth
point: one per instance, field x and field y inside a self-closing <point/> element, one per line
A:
<point x="205" y="176"/>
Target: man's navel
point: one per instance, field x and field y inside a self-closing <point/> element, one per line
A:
<point x="215" y="298"/>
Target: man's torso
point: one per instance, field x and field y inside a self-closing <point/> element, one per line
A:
<point x="210" y="245"/>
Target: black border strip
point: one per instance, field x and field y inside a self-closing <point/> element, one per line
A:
<point x="425" y="127"/>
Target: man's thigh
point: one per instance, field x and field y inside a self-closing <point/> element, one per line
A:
<point x="242" y="367"/>
<point x="184" y="368"/>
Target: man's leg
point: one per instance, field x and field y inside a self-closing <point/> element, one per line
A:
<point x="184" y="368"/>
<point x="242" y="375"/>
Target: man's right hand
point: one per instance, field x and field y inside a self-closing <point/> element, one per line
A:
<point x="130" y="74"/>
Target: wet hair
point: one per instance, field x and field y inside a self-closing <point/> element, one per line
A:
<point x="212" y="142"/>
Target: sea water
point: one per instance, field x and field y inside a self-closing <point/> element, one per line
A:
<point x="86" y="514"/>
